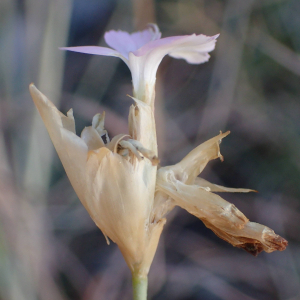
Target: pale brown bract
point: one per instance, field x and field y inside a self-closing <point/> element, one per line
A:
<point x="181" y="184"/>
<point x="115" y="186"/>
<point x="126" y="195"/>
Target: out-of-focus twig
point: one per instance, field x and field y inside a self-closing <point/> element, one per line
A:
<point x="37" y="174"/>
<point x="144" y="13"/>
<point x="103" y="68"/>
<point x="283" y="55"/>
<point x="228" y="59"/>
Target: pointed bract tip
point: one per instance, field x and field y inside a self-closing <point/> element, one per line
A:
<point x="33" y="90"/>
<point x="224" y="134"/>
<point x="155" y="161"/>
<point x="32" y="86"/>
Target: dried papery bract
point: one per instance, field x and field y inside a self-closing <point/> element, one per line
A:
<point x="117" y="190"/>
<point x="181" y="184"/>
<point x="117" y="180"/>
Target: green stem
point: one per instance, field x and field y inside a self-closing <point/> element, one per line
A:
<point x="139" y="285"/>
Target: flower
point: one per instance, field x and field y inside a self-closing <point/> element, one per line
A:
<point x="143" y="51"/>
<point x="118" y="181"/>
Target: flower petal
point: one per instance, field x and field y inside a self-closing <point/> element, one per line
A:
<point x="70" y="148"/>
<point x="218" y="188"/>
<point x="96" y="50"/>
<point x="201" y="46"/>
<point x="199" y="43"/>
<point x="144" y="62"/>
<point x="125" y="42"/>
<point x="191" y="57"/>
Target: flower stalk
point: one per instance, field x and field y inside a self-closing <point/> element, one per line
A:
<point x="139" y="287"/>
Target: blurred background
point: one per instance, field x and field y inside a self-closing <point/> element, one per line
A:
<point x="50" y="249"/>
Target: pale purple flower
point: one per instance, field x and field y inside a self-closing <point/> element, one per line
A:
<point x="143" y="51"/>
<point x="118" y="180"/>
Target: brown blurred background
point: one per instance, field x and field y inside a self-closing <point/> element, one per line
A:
<point x="49" y="247"/>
